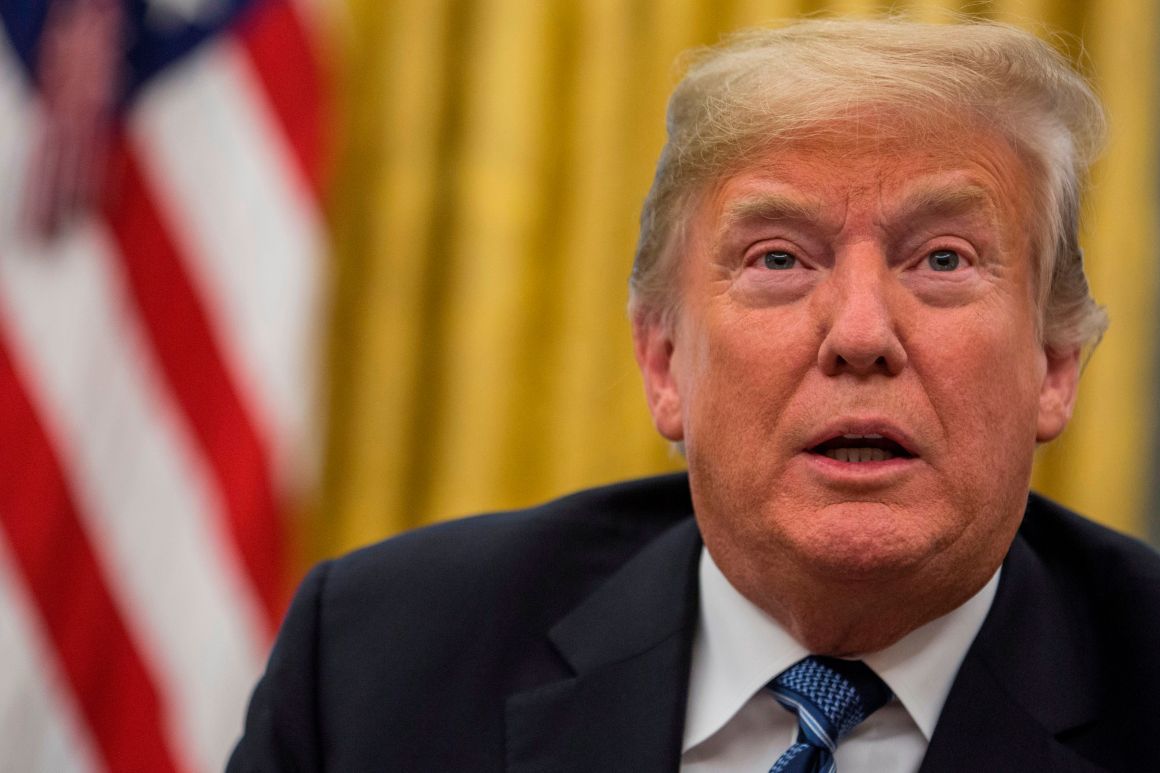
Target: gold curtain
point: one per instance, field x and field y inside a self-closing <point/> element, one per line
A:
<point x="493" y="155"/>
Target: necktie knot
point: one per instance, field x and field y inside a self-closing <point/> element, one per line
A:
<point x="830" y="697"/>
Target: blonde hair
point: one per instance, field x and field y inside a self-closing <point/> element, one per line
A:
<point x="769" y="86"/>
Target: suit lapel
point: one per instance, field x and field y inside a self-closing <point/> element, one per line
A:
<point x="1028" y="677"/>
<point x="629" y="645"/>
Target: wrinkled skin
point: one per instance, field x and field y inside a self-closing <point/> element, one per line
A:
<point x="830" y="289"/>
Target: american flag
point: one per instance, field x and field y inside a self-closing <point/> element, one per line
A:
<point x="161" y="265"/>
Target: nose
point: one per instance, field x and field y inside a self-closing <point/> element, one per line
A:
<point x="860" y="335"/>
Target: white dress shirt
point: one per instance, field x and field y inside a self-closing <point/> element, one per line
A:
<point x="733" y="724"/>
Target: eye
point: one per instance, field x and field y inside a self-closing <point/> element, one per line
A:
<point x="943" y="260"/>
<point x="778" y="260"/>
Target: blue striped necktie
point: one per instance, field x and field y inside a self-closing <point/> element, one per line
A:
<point x="830" y="697"/>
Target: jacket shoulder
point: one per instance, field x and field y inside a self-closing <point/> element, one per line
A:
<point x="1110" y="563"/>
<point x="400" y="655"/>
<point x="1111" y="583"/>
<point x="586" y="533"/>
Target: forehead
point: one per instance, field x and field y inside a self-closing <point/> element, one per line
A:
<point x="826" y="181"/>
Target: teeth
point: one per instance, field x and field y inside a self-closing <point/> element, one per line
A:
<point x="859" y="454"/>
<point x="850" y="436"/>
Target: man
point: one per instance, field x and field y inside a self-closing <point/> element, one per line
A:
<point x="858" y="304"/>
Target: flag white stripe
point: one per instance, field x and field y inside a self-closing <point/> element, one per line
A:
<point x="250" y="233"/>
<point x="41" y="728"/>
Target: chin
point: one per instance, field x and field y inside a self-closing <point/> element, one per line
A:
<point x="866" y="541"/>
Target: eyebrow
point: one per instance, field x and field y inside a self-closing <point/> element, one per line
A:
<point x="946" y="200"/>
<point x="931" y="200"/>
<point x="769" y="206"/>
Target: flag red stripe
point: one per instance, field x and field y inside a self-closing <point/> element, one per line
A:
<point x="108" y="677"/>
<point x="285" y="62"/>
<point x="183" y="341"/>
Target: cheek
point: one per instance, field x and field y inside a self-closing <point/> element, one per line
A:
<point x="742" y="369"/>
<point x="983" y="384"/>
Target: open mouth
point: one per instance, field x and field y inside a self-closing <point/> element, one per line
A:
<point x="861" y="448"/>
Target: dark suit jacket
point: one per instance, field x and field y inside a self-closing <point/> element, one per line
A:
<point x="559" y="639"/>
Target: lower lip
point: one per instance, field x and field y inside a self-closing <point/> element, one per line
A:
<point x="876" y="473"/>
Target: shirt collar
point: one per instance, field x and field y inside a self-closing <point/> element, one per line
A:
<point x="738" y="648"/>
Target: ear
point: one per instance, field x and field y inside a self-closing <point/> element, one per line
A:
<point x="654" y="347"/>
<point x="1057" y="394"/>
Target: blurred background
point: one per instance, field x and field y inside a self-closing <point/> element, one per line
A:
<point x="278" y="279"/>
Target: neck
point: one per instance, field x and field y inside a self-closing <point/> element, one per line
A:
<point x="849" y="617"/>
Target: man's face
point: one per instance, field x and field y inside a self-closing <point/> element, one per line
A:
<point x="855" y="368"/>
